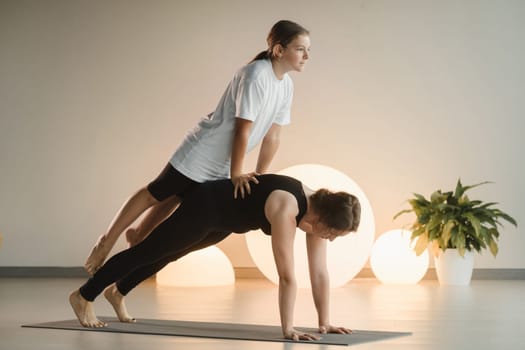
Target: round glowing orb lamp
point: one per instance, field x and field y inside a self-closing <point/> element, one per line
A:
<point x="394" y="260"/>
<point x="202" y="268"/>
<point x="346" y="255"/>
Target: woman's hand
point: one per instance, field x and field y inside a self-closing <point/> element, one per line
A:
<point x="241" y="183"/>
<point x="332" y="329"/>
<point x="296" y="336"/>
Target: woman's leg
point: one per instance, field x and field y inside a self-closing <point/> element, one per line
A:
<point x="116" y="299"/>
<point x="84" y="311"/>
<point x="126" y="284"/>
<point x="176" y="234"/>
<point x="129" y="212"/>
<point x="156" y="246"/>
<point x="116" y="292"/>
<point x="116" y="267"/>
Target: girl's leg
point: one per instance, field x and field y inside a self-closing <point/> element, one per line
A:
<point x="129" y="212"/>
<point x="168" y="183"/>
<point x="157" y="214"/>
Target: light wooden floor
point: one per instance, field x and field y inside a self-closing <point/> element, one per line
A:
<point x="485" y="315"/>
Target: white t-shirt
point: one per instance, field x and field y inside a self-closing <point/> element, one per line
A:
<point x="254" y="94"/>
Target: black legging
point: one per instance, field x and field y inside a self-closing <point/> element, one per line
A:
<point x="177" y="236"/>
<point x="205" y="217"/>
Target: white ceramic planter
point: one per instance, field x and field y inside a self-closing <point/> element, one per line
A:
<point x="454" y="269"/>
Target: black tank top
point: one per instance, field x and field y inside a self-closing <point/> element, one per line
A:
<point x="243" y="215"/>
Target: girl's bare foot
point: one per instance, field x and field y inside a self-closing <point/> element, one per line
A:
<point x="84" y="311"/>
<point x="98" y="254"/>
<point x="117" y="301"/>
<point x="133" y="237"/>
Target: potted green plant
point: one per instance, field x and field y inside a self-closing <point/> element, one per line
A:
<point x="452" y="221"/>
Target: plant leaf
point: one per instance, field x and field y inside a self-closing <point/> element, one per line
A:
<point x="421" y="244"/>
<point x="493" y="246"/>
<point x="474" y="221"/>
<point x="507" y="217"/>
<point x="466" y="188"/>
<point x="459" y="242"/>
<point x="405" y="211"/>
<point x="461" y="251"/>
<point x="486" y="205"/>
<point x="459" y="189"/>
<point x="446" y="232"/>
<point x="438" y="197"/>
<point x="417" y="232"/>
<point x="420" y="197"/>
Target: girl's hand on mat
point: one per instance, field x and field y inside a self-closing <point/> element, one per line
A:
<point x="241" y="183"/>
<point x="332" y="329"/>
<point x="296" y="336"/>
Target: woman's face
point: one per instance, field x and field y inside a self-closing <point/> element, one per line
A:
<point x="320" y="230"/>
<point x="296" y="53"/>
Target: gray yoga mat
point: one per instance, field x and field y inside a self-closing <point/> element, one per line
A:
<point x="217" y="330"/>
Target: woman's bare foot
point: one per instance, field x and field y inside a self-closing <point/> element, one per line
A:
<point x="84" y="311"/>
<point x="117" y="301"/>
<point x="133" y="237"/>
<point x="98" y="254"/>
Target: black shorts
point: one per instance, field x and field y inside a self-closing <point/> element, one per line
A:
<point x="170" y="182"/>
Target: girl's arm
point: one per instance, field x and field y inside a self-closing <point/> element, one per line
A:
<point x="319" y="278"/>
<point x="269" y="147"/>
<point x="240" y="181"/>
<point x="281" y="209"/>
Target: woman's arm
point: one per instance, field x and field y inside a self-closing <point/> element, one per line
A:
<point x="269" y="147"/>
<point x="282" y="246"/>
<point x="240" y="181"/>
<point x="281" y="209"/>
<point x="319" y="278"/>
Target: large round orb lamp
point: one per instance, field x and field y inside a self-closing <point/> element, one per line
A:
<point x="202" y="268"/>
<point x="346" y="255"/>
<point x="394" y="260"/>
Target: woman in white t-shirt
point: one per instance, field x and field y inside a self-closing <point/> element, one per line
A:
<point x="253" y="108"/>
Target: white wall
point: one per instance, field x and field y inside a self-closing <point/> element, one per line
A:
<point x="403" y="96"/>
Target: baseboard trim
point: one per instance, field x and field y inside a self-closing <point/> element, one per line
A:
<point x="240" y="273"/>
<point x="42" y="271"/>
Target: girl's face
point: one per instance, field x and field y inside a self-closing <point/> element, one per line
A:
<point x="296" y="53"/>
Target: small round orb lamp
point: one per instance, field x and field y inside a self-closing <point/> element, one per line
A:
<point x="394" y="261"/>
<point x="202" y="268"/>
<point x="346" y="255"/>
